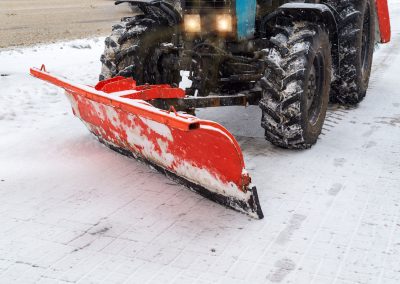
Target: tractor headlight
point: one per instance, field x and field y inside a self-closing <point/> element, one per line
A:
<point x="192" y="23"/>
<point x="224" y="23"/>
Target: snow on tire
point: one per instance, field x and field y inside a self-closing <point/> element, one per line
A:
<point x="132" y="49"/>
<point x="356" y="24"/>
<point x="112" y="46"/>
<point x="293" y="107"/>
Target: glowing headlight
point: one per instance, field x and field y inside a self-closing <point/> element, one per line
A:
<point x="192" y="23"/>
<point x="224" y="23"/>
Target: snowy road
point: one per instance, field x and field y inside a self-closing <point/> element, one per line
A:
<point x="74" y="211"/>
<point x="29" y="22"/>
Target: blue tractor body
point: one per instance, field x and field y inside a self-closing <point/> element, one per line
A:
<point x="245" y="18"/>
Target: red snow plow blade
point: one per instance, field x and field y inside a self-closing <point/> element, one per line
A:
<point x="200" y="154"/>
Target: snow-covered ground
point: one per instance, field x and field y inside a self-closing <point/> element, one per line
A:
<point x="71" y="210"/>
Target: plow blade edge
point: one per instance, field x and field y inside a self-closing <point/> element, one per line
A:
<point x="200" y="154"/>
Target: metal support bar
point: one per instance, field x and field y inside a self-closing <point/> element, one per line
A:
<point x="190" y="103"/>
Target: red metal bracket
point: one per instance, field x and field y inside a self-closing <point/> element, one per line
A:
<point x="131" y="100"/>
<point x="146" y="92"/>
<point x="383" y="20"/>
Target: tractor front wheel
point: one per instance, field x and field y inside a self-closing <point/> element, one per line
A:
<point x="141" y="47"/>
<point x="296" y="85"/>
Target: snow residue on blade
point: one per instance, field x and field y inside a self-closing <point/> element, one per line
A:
<point x="182" y="168"/>
<point x="158" y="128"/>
<point x="210" y="181"/>
<point x="214" y="184"/>
<point x="134" y="132"/>
<point x="156" y="150"/>
<point x="111" y="114"/>
<point x="145" y="147"/>
<point x="137" y="140"/>
<point x="100" y="111"/>
<point x="215" y="129"/>
<point x="165" y="154"/>
<point x="74" y="104"/>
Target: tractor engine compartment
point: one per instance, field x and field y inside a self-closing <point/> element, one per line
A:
<point x="219" y="47"/>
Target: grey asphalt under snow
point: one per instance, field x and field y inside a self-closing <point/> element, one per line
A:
<point x="28" y="22"/>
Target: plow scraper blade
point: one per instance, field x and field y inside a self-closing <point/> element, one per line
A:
<point x="200" y="154"/>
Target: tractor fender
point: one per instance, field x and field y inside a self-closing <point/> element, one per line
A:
<point x="382" y="12"/>
<point x="317" y="13"/>
<point x="164" y="6"/>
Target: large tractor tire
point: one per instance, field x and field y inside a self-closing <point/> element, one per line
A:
<point x="296" y="85"/>
<point x="141" y="47"/>
<point x="357" y="40"/>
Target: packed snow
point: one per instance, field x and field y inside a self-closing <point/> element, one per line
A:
<point x="74" y="211"/>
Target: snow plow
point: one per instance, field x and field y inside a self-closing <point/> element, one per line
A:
<point x="200" y="154"/>
<point x="290" y="58"/>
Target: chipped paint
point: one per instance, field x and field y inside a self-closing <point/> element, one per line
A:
<point x="203" y="154"/>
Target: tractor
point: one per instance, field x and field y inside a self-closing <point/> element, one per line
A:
<point x="289" y="57"/>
